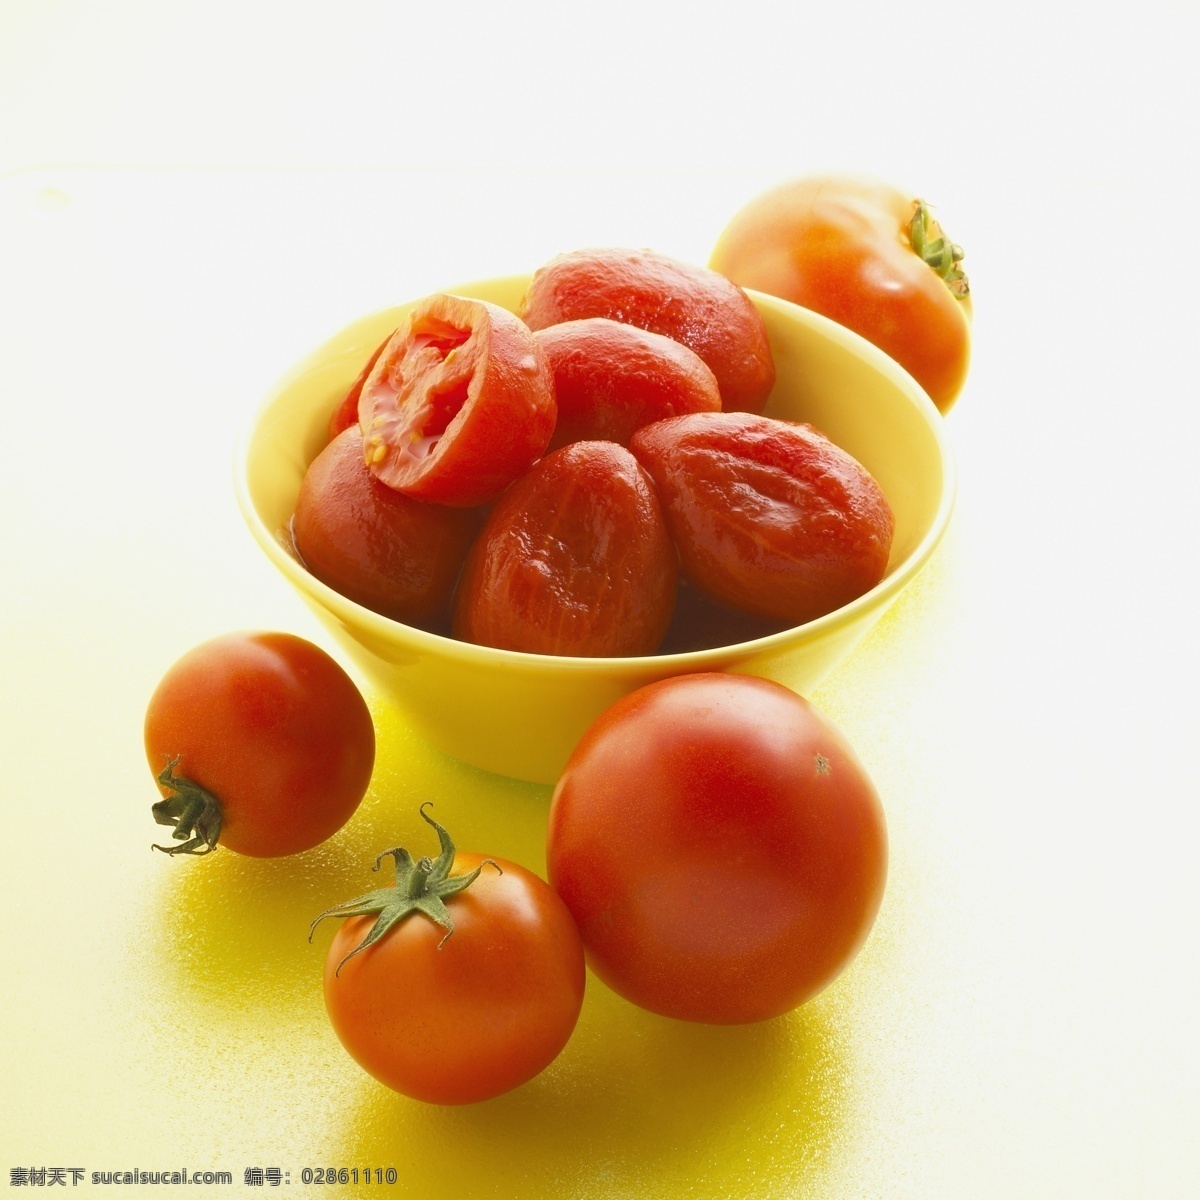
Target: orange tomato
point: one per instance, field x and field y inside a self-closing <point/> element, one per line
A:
<point x="870" y="257"/>
<point x="461" y="981"/>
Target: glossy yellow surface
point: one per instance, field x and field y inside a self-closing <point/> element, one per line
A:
<point x="521" y="714"/>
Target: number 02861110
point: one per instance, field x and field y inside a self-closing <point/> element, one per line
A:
<point x="346" y="1175"/>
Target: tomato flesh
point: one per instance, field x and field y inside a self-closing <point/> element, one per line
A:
<point x="459" y="403"/>
<point x="701" y="622"/>
<point x="768" y="516"/>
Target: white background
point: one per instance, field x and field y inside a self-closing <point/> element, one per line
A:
<point x="280" y="170"/>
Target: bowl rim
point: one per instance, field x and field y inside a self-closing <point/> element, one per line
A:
<point x="679" y="662"/>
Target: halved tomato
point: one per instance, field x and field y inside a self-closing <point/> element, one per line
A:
<point x="460" y="402"/>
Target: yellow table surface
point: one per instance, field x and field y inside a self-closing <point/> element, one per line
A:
<point x="1022" y="1021"/>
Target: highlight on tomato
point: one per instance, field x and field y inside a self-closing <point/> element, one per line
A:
<point x="461" y="980"/>
<point x="259" y="742"/>
<point x="458" y="404"/>
<point x="720" y="846"/>
<point x="870" y="256"/>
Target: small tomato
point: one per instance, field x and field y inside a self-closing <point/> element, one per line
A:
<point x="260" y="741"/>
<point x="456" y="983"/>
<point x="870" y="257"/>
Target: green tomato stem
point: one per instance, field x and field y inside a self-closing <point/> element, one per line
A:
<point x="421" y="886"/>
<point x="937" y="251"/>
<point x="192" y="810"/>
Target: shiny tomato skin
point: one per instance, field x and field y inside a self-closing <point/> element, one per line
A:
<point x="699" y="308"/>
<point x="720" y="847"/>
<point x="470" y="1017"/>
<point x="769" y="516"/>
<point x="459" y="403"/>
<point x="274" y="729"/>
<point x="376" y="546"/>
<point x="611" y="379"/>
<point x="574" y="560"/>
<point x="839" y="246"/>
<point x="345" y="415"/>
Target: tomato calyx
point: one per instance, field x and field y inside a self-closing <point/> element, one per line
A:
<point x="193" y="811"/>
<point x="936" y="250"/>
<point x="421" y="886"/>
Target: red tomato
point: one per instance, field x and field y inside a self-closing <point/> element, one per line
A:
<point x="460" y="402"/>
<point x="398" y="556"/>
<point x="611" y="379"/>
<point x="473" y="986"/>
<point x="262" y="741"/>
<point x="867" y="255"/>
<point x="720" y="847"/>
<point x="346" y="414"/>
<point x="769" y="516"/>
<point x="699" y="308"/>
<point x="574" y="559"/>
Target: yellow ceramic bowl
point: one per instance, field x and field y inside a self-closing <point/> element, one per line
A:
<point x="521" y="714"/>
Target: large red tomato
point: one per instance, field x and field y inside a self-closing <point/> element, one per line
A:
<point x="720" y="847"/>
<point x="458" y="404"/>
<point x="462" y="980"/>
<point x="699" y="308"/>
<point x="869" y="256"/>
<point x="259" y="741"/>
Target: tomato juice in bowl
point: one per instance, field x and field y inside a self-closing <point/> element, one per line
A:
<point x="520" y="714"/>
